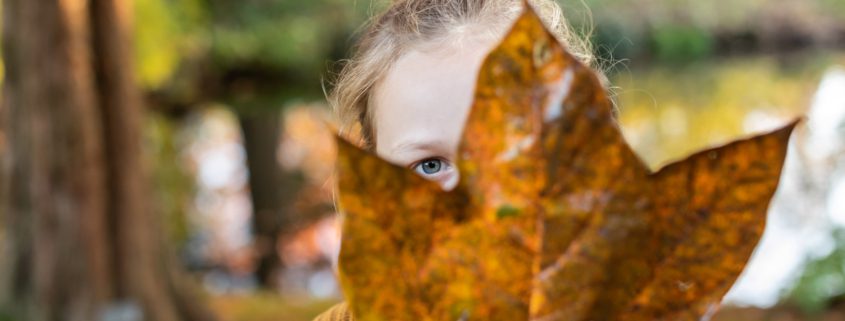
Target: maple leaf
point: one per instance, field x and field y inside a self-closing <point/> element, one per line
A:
<point x="555" y="217"/>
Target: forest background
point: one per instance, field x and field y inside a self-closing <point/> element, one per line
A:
<point x="215" y="90"/>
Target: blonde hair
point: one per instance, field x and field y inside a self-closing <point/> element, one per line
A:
<point x="408" y="23"/>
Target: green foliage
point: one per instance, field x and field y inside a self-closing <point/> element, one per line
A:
<point x="676" y="43"/>
<point x="5" y="315"/>
<point x="245" y="54"/>
<point x="287" y="44"/>
<point x="154" y="43"/>
<point x="173" y="187"/>
<point x="676" y="30"/>
<point x="276" y="34"/>
<point x="822" y="280"/>
<point x="165" y="34"/>
<point x="836" y="7"/>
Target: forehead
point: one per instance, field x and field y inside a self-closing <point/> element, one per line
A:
<point x="425" y="96"/>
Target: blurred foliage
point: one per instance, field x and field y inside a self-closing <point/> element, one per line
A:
<point x="173" y="187"/>
<point x="267" y="307"/>
<point x="166" y="32"/>
<point x="823" y="279"/>
<point x="669" y="29"/>
<point x="674" y="43"/>
<point x="268" y="52"/>
<point x="247" y="55"/>
<point x="277" y="34"/>
<point x="154" y="42"/>
<point x="836" y="7"/>
<point x="244" y="53"/>
<point x="669" y="110"/>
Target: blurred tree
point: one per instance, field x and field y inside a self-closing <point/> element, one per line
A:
<point x="269" y="53"/>
<point x="84" y="242"/>
<point x="258" y="57"/>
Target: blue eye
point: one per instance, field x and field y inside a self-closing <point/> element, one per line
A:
<point x="429" y="166"/>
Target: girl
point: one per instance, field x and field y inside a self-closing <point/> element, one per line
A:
<point x="408" y="87"/>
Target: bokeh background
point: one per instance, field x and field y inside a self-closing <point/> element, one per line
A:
<point x="241" y="158"/>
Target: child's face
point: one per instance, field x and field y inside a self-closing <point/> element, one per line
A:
<point x="420" y="106"/>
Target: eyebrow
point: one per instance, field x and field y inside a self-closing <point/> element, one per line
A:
<point x="438" y="146"/>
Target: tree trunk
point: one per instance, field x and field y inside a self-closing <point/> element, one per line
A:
<point x="83" y="242"/>
<point x="270" y="196"/>
<point x="59" y="255"/>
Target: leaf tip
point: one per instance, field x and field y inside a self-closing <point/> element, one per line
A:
<point x="784" y="132"/>
<point x="789" y="127"/>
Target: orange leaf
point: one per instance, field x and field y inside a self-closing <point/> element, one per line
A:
<point x="555" y="217"/>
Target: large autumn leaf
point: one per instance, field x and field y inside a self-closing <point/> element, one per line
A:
<point x="555" y="217"/>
